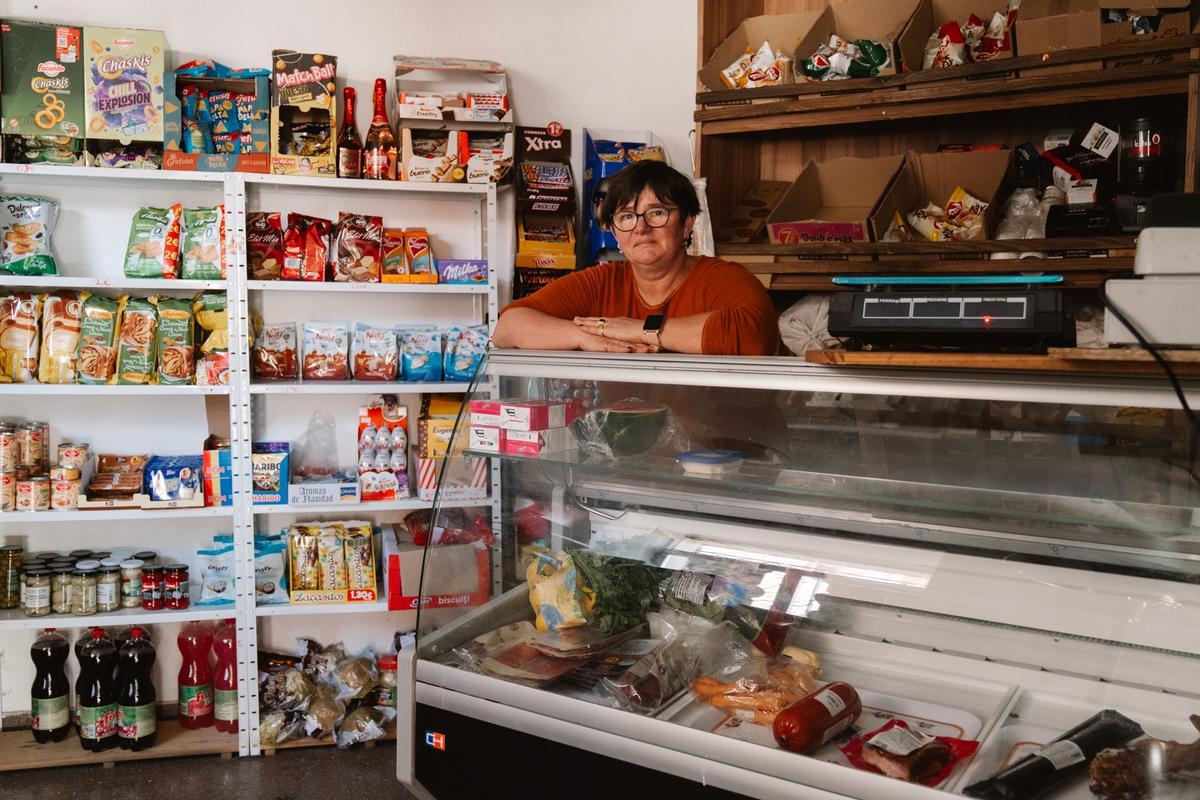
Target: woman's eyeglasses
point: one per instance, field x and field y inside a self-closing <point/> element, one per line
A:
<point x="656" y="217"/>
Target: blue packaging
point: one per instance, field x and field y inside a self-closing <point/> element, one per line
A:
<point x="421" y="354"/>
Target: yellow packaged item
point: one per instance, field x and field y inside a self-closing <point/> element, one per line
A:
<point x="19" y="312"/>
<point x="331" y="556"/>
<point x="552" y="581"/>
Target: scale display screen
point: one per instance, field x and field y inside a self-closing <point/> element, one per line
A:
<point x="981" y="308"/>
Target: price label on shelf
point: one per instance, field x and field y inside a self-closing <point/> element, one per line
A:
<point x="102" y="282"/>
<point x="361" y="596"/>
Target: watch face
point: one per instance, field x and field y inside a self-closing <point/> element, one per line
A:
<point x="653" y="322"/>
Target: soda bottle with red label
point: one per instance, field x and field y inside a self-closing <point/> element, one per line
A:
<point x="225" y="705"/>
<point x="195" y="676"/>
<point x="51" y="692"/>
<point x="136" y="697"/>
<point x="98" y="714"/>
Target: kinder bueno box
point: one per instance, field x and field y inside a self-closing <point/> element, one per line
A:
<point x="536" y="415"/>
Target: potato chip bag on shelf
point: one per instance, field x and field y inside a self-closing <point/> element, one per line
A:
<point x="153" y="250"/>
<point x="62" y="314"/>
<point x="101" y="318"/>
<point x="19" y="337"/>
<point x="203" y="256"/>
<point x="212" y="369"/>
<point x="26" y="224"/>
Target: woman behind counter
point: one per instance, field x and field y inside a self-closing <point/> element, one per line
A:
<point x="661" y="299"/>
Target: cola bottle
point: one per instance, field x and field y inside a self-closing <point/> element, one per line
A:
<point x="83" y="639"/>
<point x="98" y="714"/>
<point x="135" y="693"/>
<point x="51" y="691"/>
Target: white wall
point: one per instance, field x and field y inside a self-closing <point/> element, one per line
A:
<point x="622" y="64"/>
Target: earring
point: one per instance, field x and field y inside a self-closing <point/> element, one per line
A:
<point x="687" y="242"/>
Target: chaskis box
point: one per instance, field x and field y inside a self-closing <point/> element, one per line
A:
<point x="43" y="79"/>
<point x="304" y="102"/>
<point x="124" y="84"/>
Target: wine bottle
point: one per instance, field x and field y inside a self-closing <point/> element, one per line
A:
<point x="379" y="157"/>
<point x="350" y="146"/>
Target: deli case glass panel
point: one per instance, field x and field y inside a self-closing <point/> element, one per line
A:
<point x="758" y="576"/>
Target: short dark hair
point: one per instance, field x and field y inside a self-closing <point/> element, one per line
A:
<point x="668" y="184"/>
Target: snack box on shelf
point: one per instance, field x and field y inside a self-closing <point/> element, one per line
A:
<point x="491" y="439"/>
<point x="124" y="84"/>
<point x="1045" y="26"/>
<point x="364" y="593"/>
<point x="343" y="489"/>
<point x="447" y="166"/>
<point x="781" y="30"/>
<point x="545" y="241"/>
<point x="467" y="478"/>
<point x="174" y="156"/>
<point x="303" y="92"/>
<point x="451" y="90"/>
<point x="832" y="201"/>
<point x="191" y="498"/>
<point x="455" y="575"/>
<point x="932" y="14"/>
<point x="891" y="23"/>
<point x="43" y="87"/>
<point x="270" y="471"/>
<point x="218" y="477"/>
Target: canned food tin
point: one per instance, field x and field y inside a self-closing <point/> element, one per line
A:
<point x="8" y="491"/>
<point x="72" y="455"/>
<point x="61" y="473"/>
<point x="10" y="450"/>
<point x="25" y="495"/>
<point x="30" y="445"/>
<point x="41" y="493"/>
<point x="64" y="495"/>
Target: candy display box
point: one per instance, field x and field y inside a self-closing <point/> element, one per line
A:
<point x="451" y="90"/>
<point x="123" y="82"/>
<point x="43" y="79"/>
<point x="303" y="97"/>
<point x="174" y="156"/>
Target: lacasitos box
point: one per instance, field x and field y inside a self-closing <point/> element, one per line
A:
<point x="124" y="84"/>
<point x="43" y="79"/>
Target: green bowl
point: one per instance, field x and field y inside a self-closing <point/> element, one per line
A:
<point x="631" y="427"/>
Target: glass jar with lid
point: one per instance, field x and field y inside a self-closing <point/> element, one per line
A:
<point x="10" y="575"/>
<point x="79" y="555"/>
<point x="108" y="588"/>
<point x="109" y="562"/>
<point x="100" y="555"/>
<point x="131" y="583"/>
<point x="37" y="593"/>
<point x="152" y="588"/>
<point x="61" y="587"/>
<point x="146" y="556"/>
<point x="26" y="568"/>
<point x="176" y="589"/>
<point x="83" y="588"/>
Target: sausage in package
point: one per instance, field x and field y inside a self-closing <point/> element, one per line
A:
<point x="325" y="348"/>
<point x="376" y="354"/>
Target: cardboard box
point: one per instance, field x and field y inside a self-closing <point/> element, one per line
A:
<point x="304" y="91"/>
<point x="546" y="241"/>
<point x="454" y="575"/>
<point x="485" y="438"/>
<point x="536" y="443"/>
<point x="783" y="31"/>
<point x="42" y="64"/>
<point x="536" y="415"/>
<point x="218" y="477"/>
<point x="451" y="89"/>
<point x="448" y="166"/>
<point x="832" y="201"/>
<point x="883" y="21"/>
<point x="124" y="84"/>
<point x="1047" y="26"/>
<point x="485" y="412"/>
<point x="489" y="157"/>
<point x="466" y="478"/>
<point x="326" y="492"/>
<point x="931" y="178"/>
<point x="932" y="14"/>
<point x="1176" y="21"/>
<point x="748" y="217"/>
<point x="270" y="477"/>
<point x="434" y="436"/>
<point x="260" y="127"/>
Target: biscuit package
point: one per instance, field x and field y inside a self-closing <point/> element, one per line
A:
<point x="464" y="350"/>
<point x="61" y="321"/>
<point x="153" y="250"/>
<point x="376" y="356"/>
<point x="421" y="354"/>
<point x="275" y="353"/>
<point x="136" y="343"/>
<point x="100" y="320"/>
<point x="305" y="248"/>
<point x="358" y="248"/>
<point x="19" y="337"/>
<point x="325" y="352"/>
<point x="26" y="223"/>
<point x="264" y="245"/>
<point x="176" y="343"/>
<point x="331" y="556"/>
<point x="359" y="543"/>
<point x="203" y="257"/>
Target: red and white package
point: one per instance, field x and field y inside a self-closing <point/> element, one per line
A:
<point x="536" y="415"/>
<point x="264" y="245"/>
<point x="946" y="47"/>
<point x="375" y="353"/>
<point x="275" y="353"/>
<point x="899" y="752"/>
<point x="305" y="248"/>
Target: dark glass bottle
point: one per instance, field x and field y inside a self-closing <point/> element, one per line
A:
<point x="350" y="146"/>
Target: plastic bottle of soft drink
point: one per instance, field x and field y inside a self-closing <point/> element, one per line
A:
<point x="136" y="696"/>
<point x="225" y="706"/>
<point x="98" y="713"/>
<point x="83" y="639"/>
<point x="51" y="691"/>
<point x="195" y="676"/>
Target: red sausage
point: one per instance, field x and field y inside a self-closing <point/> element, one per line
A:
<point x="817" y="717"/>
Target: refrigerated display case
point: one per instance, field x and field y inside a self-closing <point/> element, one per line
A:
<point x="988" y="560"/>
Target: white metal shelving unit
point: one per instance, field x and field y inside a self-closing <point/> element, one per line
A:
<point x="83" y="191"/>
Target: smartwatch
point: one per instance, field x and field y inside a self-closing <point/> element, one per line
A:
<point x="654" y="324"/>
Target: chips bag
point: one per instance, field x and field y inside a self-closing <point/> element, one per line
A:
<point x="19" y="313"/>
<point x="176" y="343"/>
<point x="136" y="343"/>
<point x="212" y="318"/>
<point x="101" y="317"/>
<point x="204" y="244"/>
<point x="26" y="224"/>
<point x="153" y="250"/>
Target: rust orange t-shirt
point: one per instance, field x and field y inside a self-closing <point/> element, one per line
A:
<point x="743" y="321"/>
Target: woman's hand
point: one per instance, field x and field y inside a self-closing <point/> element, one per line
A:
<point x="597" y="344"/>
<point x="621" y="329"/>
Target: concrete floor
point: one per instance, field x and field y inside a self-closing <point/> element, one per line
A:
<point x="317" y="773"/>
